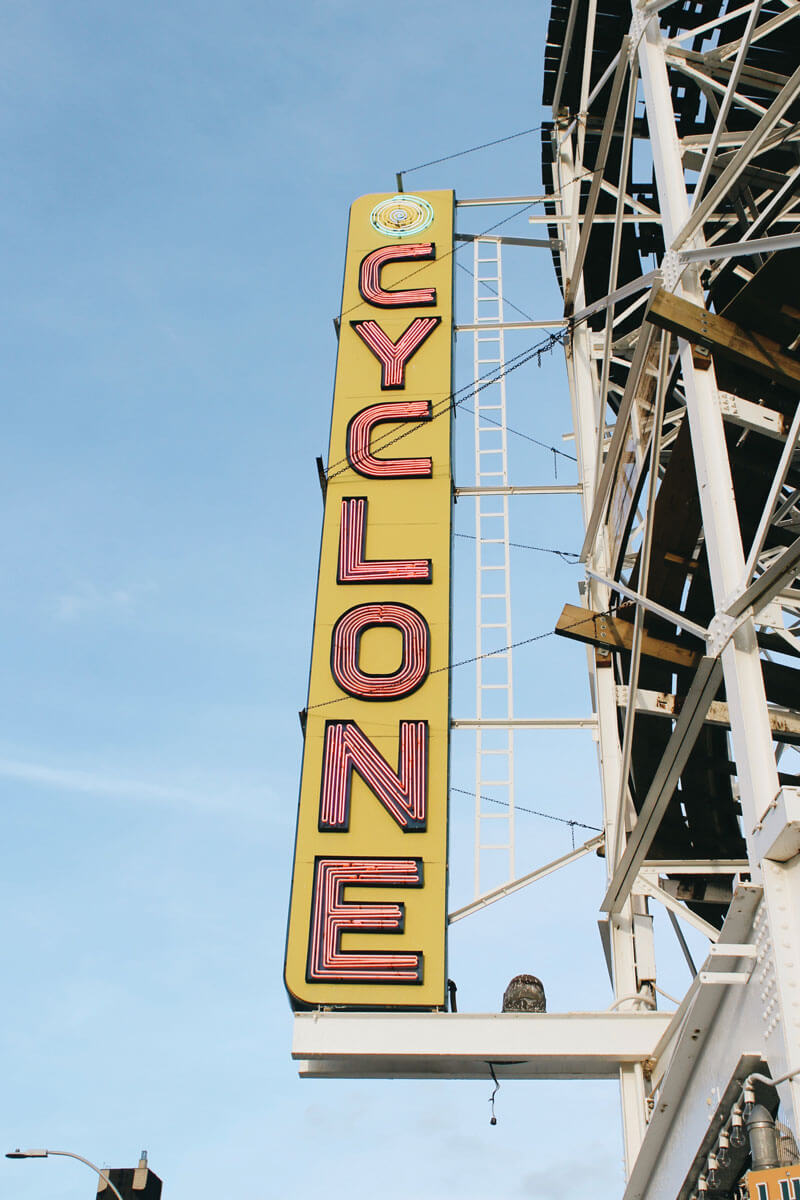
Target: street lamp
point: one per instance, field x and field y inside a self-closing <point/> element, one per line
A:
<point x="65" y="1154"/>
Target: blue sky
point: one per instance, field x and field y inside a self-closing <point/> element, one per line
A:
<point x="173" y="214"/>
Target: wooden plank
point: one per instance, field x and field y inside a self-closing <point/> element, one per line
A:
<point x="611" y="633"/>
<point x="784" y="722"/>
<point x="753" y="351"/>
<point x="615" y="635"/>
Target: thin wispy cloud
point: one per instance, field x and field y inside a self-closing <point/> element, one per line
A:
<point x="87" y="600"/>
<point x="90" y="783"/>
<point x="251" y="797"/>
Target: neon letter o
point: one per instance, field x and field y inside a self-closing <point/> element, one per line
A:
<point x="346" y="643"/>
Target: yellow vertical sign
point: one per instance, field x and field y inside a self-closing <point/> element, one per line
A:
<point x="367" y="919"/>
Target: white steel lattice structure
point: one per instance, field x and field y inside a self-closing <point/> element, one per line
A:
<point x="672" y="179"/>
<point x="494" y="748"/>
<point x="676" y="123"/>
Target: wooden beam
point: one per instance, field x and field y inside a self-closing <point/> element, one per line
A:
<point x="612" y="633"/>
<point x="753" y="351"/>
<point x="784" y="722"/>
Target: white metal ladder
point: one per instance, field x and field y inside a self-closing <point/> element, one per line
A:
<point x="494" y="751"/>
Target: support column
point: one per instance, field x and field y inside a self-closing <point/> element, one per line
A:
<point x="584" y="390"/>
<point x="750" y="729"/>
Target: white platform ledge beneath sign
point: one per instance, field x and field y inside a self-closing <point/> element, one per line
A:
<point x="337" y="1045"/>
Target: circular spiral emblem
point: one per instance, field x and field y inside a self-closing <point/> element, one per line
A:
<point x="401" y="216"/>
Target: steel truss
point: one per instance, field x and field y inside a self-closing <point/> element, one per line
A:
<point x="675" y="136"/>
<point x="671" y="169"/>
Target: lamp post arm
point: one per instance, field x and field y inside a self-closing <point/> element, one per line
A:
<point x="69" y="1154"/>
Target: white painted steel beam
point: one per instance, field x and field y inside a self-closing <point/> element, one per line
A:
<point x="555" y="489"/>
<point x="730" y="48"/>
<point x="694" y="866"/>
<point x="770" y="213"/>
<point x="550" y="724"/>
<point x="620" y="76"/>
<point x="613" y="271"/>
<point x="584" y="391"/>
<point x="515" y="885"/>
<point x="707" y="81"/>
<point x="644" y="574"/>
<point x="343" y="1045"/>
<point x="681" y="1103"/>
<point x="743" y="677"/>
<point x="748" y="415"/>
<point x="680" y="910"/>
<point x="657" y="609"/>
<point x="606" y="219"/>
<point x="620" y="293"/>
<point x="751" y="735"/>
<point x="766" y="245"/>
<point x="740" y="160"/>
<point x="536" y="243"/>
<point x="783" y="571"/>
<point x="706" y="681"/>
<point x="693" y="33"/>
<point x="782" y="470"/>
<point x="614" y="454"/>
<point x="730" y="92"/>
<point x="472" y="327"/>
<point x="488" y="201"/>
<point x="565" y="49"/>
<point x="595" y="92"/>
